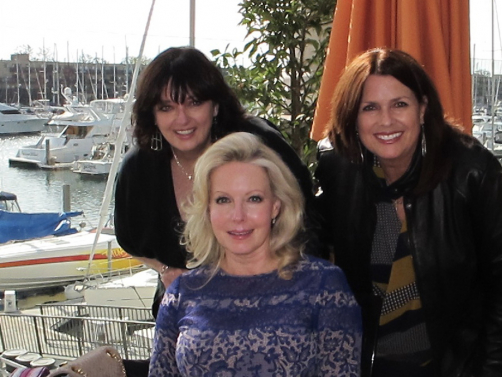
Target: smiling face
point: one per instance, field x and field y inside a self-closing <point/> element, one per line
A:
<point x="241" y="209"/>
<point x="186" y="126"/>
<point x="389" y="120"/>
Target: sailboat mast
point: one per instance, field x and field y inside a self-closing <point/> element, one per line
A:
<point x="83" y="68"/>
<point x="45" y="72"/>
<point x="192" y="23"/>
<point x="54" y="86"/>
<point x="102" y="73"/>
<point x="127" y="70"/>
<point x="493" y="75"/>
<point x="114" y="78"/>
<point x="29" y="81"/>
<point x="17" y="80"/>
<point x="96" y="76"/>
<point x="76" y="77"/>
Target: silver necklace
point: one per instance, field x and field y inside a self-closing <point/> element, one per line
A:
<point x="189" y="176"/>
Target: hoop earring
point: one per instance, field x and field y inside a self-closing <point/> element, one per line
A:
<point x="424" y="142"/>
<point x="156" y="141"/>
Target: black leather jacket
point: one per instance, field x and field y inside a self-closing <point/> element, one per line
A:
<point x="455" y="233"/>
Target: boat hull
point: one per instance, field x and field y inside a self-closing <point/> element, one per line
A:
<point x="12" y="122"/>
<point x="137" y="290"/>
<point x="93" y="167"/>
<point x="56" y="261"/>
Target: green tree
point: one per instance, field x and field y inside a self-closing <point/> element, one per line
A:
<point x="278" y="74"/>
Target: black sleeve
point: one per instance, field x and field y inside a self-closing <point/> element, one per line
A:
<point x="126" y="199"/>
<point x="147" y="222"/>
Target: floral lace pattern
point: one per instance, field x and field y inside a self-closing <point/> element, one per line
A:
<point x="259" y="325"/>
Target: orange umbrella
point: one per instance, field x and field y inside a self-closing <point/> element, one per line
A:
<point x="435" y="32"/>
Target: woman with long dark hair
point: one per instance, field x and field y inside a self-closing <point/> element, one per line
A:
<point x="414" y="213"/>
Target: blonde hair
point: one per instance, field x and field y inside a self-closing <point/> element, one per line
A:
<point x="198" y="235"/>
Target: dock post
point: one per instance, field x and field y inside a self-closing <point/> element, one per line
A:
<point x="48" y="152"/>
<point x="66" y="198"/>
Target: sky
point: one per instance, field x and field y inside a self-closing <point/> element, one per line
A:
<point x="481" y="30"/>
<point x="104" y="28"/>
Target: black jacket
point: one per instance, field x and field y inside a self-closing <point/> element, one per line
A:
<point x="455" y="233"/>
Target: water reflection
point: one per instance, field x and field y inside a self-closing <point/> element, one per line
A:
<point x="42" y="190"/>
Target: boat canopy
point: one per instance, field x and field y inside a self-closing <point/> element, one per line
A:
<point x="19" y="226"/>
<point x="4" y="195"/>
<point x="8" y="202"/>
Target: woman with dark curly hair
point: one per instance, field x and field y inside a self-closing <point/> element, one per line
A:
<point x="183" y="105"/>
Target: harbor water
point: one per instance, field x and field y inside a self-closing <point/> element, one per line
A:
<point x="40" y="190"/>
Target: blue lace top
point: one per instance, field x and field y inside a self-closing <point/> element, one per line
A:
<point x="259" y="325"/>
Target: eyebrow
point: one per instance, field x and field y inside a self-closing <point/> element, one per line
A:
<point x="392" y="99"/>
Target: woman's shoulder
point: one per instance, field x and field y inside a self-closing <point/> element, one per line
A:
<point x="326" y="153"/>
<point x="136" y="154"/>
<point x="322" y="275"/>
<point x="332" y="166"/>
<point x="314" y="265"/>
<point x="469" y="154"/>
<point x="140" y="160"/>
<point x="196" y="278"/>
<point x="132" y="157"/>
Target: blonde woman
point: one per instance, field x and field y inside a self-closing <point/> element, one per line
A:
<point x="254" y="304"/>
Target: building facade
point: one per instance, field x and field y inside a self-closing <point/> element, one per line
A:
<point x="23" y="81"/>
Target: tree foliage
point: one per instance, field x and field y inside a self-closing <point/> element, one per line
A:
<point x="285" y="58"/>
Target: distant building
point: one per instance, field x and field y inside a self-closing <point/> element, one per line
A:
<point x="23" y="81"/>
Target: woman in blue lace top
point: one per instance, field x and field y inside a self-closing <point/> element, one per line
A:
<point x="254" y="304"/>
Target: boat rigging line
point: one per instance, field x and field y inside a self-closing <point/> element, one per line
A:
<point x="103" y="213"/>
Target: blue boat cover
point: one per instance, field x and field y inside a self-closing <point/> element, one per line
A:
<point x="24" y="226"/>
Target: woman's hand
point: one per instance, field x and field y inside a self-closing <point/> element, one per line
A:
<point x="167" y="274"/>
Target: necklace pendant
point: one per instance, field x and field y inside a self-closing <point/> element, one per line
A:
<point x="189" y="176"/>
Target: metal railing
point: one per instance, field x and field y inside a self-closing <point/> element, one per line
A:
<point x="69" y="331"/>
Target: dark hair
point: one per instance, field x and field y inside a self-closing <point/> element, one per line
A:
<point x="187" y="70"/>
<point x="403" y="67"/>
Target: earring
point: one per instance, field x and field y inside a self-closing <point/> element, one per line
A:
<point x="156" y="141"/>
<point x="360" y="147"/>
<point x="424" y="143"/>
<point x="215" y="135"/>
<point x="274" y="220"/>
